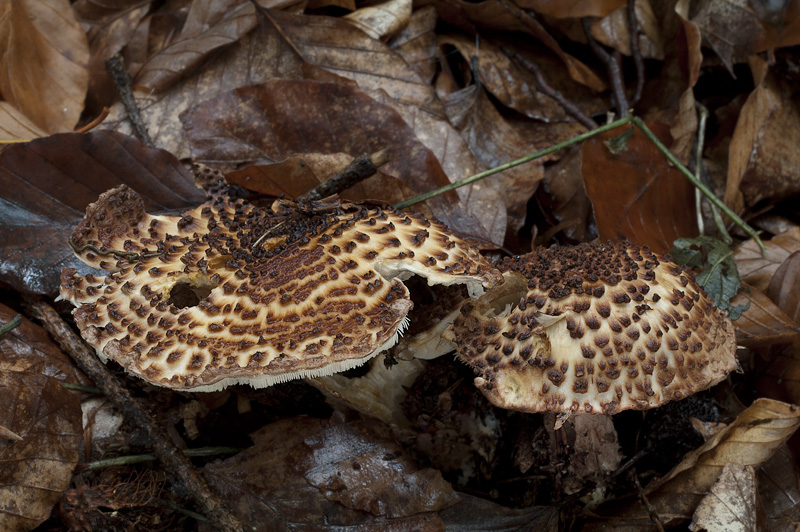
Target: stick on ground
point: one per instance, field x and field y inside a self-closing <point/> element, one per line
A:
<point x="175" y="463"/>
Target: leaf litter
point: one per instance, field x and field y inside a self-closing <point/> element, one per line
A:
<point x="279" y="97"/>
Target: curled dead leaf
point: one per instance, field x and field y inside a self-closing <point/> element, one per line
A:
<point x="763" y="322"/>
<point x="36" y="463"/>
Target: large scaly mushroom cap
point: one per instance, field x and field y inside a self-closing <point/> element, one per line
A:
<point x="231" y="293"/>
<point x="597" y="328"/>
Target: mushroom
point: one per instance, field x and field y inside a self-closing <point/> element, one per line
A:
<point x="229" y="292"/>
<point x="596" y="328"/>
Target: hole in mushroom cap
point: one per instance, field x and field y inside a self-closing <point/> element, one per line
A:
<point x="189" y="291"/>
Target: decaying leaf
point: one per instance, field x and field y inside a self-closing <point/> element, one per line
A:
<point x="784" y="289"/>
<point x="718" y="274"/>
<point x="757" y="269"/>
<point x="16" y="126"/>
<point x="730" y="505"/>
<point x="276" y="119"/>
<point x="636" y="193"/>
<point x="762" y="323"/>
<point x="319" y="475"/>
<point x="417" y="42"/>
<point x="750" y="440"/>
<point x="299" y="173"/>
<point x="779" y="489"/>
<point x="475" y="514"/>
<point x="382" y="21"/>
<point x="36" y="465"/>
<point x="49" y="182"/>
<point x="44" y="62"/>
<point x="763" y="159"/>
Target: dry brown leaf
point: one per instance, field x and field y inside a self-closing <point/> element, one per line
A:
<point x="36" y="468"/>
<point x="109" y="27"/>
<point x="417" y="42"/>
<point x="16" y="126"/>
<point x="183" y="57"/>
<point x="478" y="200"/>
<point x="504" y="16"/>
<point x="756" y="269"/>
<point x="276" y="119"/>
<point x="730" y="505"/>
<point x="784" y="288"/>
<point x="571" y="8"/>
<point x="49" y="182"/>
<point x="763" y="157"/>
<point x="299" y="173"/>
<point x="763" y="323"/>
<point x="325" y="43"/>
<point x="382" y="21"/>
<point x="750" y="440"/>
<point x="780" y="24"/>
<point x="684" y="125"/>
<point x="564" y="198"/>
<point x="310" y="474"/>
<point x="779" y="374"/>
<point x="44" y="62"/>
<point x="495" y="141"/>
<point x="511" y="85"/>
<point x="475" y="514"/>
<point x="736" y="29"/>
<point x="612" y="30"/>
<point x="637" y="194"/>
<point x="779" y="488"/>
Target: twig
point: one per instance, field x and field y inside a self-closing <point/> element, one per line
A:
<point x="125" y="255"/>
<point x="654" y="517"/>
<point x="698" y="158"/>
<point x="636" y="53"/>
<point x="543" y="87"/>
<point x="116" y="69"/>
<point x="141" y="458"/>
<point x="613" y="64"/>
<point x="358" y="170"/>
<point x="94" y="123"/>
<point x="173" y="459"/>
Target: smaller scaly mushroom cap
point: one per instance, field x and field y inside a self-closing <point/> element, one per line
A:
<point x="597" y="328"/>
<point x="268" y="295"/>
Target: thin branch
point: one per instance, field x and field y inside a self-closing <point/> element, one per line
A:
<point x="636" y="53"/>
<point x="358" y="170"/>
<point x="116" y="69"/>
<point x="545" y="88"/>
<point x="613" y="64"/>
<point x="170" y="456"/>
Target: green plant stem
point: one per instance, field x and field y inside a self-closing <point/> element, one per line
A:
<point x="81" y="388"/>
<point x="11" y="324"/>
<point x="638" y="122"/>
<point x="630" y="119"/>
<point x="139" y="458"/>
<point x="512" y="164"/>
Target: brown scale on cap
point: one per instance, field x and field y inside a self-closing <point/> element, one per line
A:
<point x="230" y="293"/>
<point x="596" y="328"/>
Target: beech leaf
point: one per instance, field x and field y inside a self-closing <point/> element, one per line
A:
<point x="47" y="185"/>
<point x="36" y="466"/>
<point x="44" y="62"/>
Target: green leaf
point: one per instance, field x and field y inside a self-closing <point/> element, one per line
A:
<point x="718" y="274"/>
